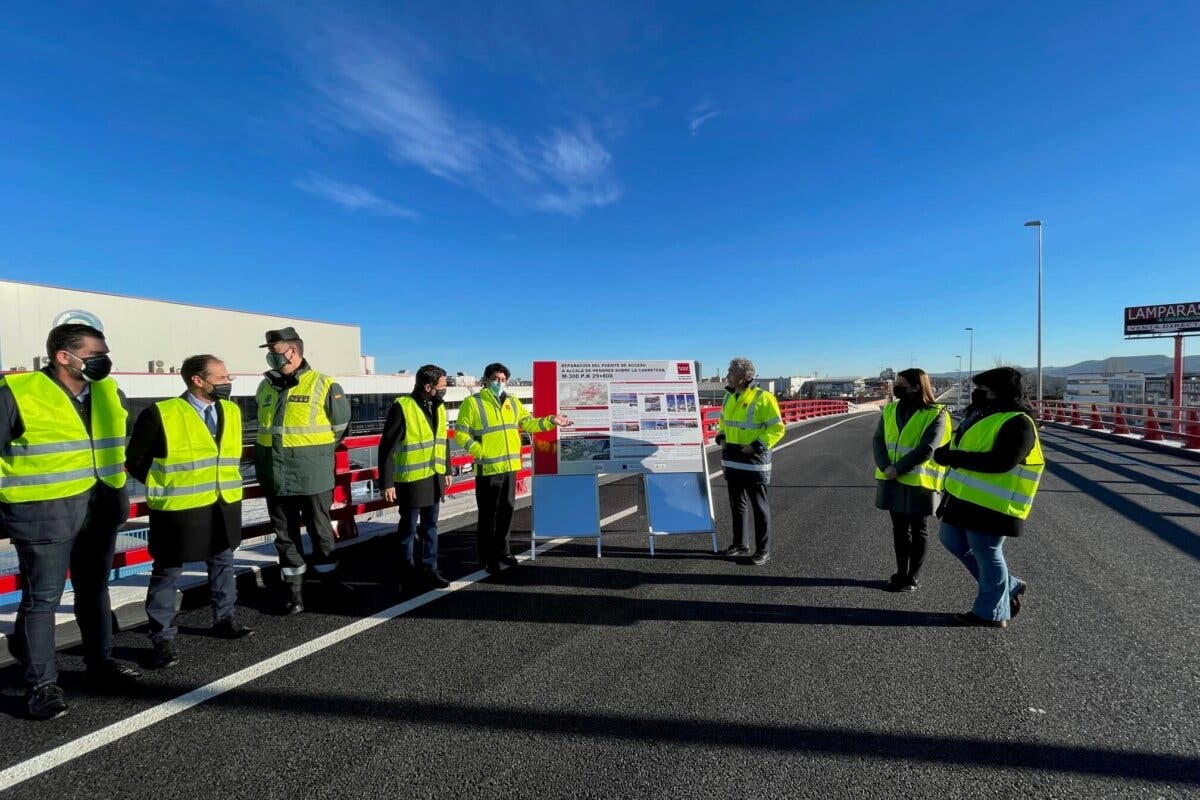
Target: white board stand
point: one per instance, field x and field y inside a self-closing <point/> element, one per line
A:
<point x="677" y="504"/>
<point x="565" y="506"/>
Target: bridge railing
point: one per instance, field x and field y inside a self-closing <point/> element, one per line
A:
<point x="790" y="410"/>
<point x="1149" y="422"/>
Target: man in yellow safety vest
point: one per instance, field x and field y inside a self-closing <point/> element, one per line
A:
<point x="187" y="451"/>
<point x="750" y="426"/>
<point x="488" y="427"/>
<point x="414" y="472"/>
<point x="302" y="415"/>
<point x="62" y="498"/>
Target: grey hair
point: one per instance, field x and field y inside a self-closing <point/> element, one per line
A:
<point x="743" y="367"/>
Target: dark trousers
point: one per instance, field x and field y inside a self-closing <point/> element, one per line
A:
<point x="287" y="515"/>
<point x="496" y="495"/>
<point x="43" y="567"/>
<point x="741" y="494"/>
<point x="160" y="597"/>
<point x="909" y="532"/>
<point x="418" y="523"/>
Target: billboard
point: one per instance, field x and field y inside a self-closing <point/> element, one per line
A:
<point x="630" y="416"/>
<point x="1164" y="320"/>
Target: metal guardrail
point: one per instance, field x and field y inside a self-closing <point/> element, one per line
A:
<point x="1147" y="422"/>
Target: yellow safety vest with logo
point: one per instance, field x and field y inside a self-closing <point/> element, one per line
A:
<point x="491" y="432"/>
<point x="749" y="417"/>
<point x="928" y="474"/>
<point x="197" y="470"/>
<point x="305" y="422"/>
<point x="1009" y="492"/>
<point x="423" y="451"/>
<point x="56" y="456"/>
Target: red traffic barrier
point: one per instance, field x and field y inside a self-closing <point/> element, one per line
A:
<point x="1152" y="433"/>
<point x="1119" y="425"/>
<point x="1060" y="413"/>
<point x="1191" y="438"/>
<point x="1096" y="424"/>
<point x="1076" y="419"/>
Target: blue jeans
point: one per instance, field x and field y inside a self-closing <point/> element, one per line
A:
<point x="983" y="556"/>
<point x="43" y="566"/>
<point x="160" y="597"/>
<point x="420" y="522"/>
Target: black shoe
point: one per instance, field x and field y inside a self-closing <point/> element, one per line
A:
<point x="46" y="702"/>
<point x="508" y="559"/>
<point x="293" y="604"/>
<point x="894" y="583"/>
<point x="229" y="628"/>
<point x="970" y="619"/>
<point x="735" y="550"/>
<point x="909" y="585"/>
<point x="492" y="567"/>
<point x="1014" y="603"/>
<point x="112" y="674"/>
<point x="436" y="580"/>
<point x="760" y="558"/>
<point x="163" y="656"/>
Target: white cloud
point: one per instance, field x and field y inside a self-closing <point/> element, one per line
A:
<point x="354" y="198"/>
<point x="370" y="82"/>
<point x="701" y="114"/>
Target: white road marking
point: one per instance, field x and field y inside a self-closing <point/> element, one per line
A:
<point x="60" y="755"/>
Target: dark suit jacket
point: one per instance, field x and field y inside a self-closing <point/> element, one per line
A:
<point x="178" y="536"/>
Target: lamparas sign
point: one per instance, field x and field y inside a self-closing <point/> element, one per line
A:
<point x="1162" y="320"/>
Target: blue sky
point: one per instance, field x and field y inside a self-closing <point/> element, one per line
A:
<point x="822" y="187"/>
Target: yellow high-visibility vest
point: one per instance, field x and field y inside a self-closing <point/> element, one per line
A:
<point x="196" y="470"/>
<point x="56" y="456"/>
<point x="490" y="432"/>
<point x="1009" y="492"/>
<point x="928" y="474"/>
<point x="305" y="421"/>
<point x="422" y="453"/>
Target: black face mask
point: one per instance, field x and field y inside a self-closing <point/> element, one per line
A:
<point x="979" y="397"/>
<point x="220" y="391"/>
<point x="95" y="368"/>
<point x="440" y="394"/>
<point x="902" y="394"/>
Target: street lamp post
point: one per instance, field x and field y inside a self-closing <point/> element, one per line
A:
<point x="971" y="353"/>
<point x="958" y="380"/>
<point x="1037" y="223"/>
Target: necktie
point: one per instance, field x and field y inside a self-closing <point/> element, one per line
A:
<point x="210" y="419"/>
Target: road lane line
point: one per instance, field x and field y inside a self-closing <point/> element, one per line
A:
<point x="64" y="753"/>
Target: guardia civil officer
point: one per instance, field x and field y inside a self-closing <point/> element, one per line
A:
<point x="413" y="472"/>
<point x="62" y="498"/>
<point x="488" y="427"/>
<point x="302" y="415"/>
<point x="186" y="451"/>
<point x="750" y="425"/>
<point x="906" y="480"/>
<point x="995" y="465"/>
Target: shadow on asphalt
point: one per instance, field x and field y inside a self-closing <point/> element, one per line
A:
<point x="544" y="574"/>
<point x="1155" y="522"/>
<point x="901" y="747"/>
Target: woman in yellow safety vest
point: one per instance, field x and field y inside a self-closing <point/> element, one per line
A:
<point x="994" y="465"/>
<point x="908" y="432"/>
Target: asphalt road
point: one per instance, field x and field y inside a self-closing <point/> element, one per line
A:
<point x="688" y="675"/>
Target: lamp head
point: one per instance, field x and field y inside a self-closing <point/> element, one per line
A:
<point x="1033" y="223"/>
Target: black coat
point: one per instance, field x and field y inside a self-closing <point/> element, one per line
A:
<point x="412" y="494"/>
<point x="178" y="536"/>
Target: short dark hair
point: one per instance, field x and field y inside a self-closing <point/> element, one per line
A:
<point x="431" y="374"/>
<point x="69" y="337"/>
<point x="196" y="365"/>
<point x="494" y="367"/>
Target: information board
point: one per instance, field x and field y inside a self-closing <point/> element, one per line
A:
<point x="630" y="416"/>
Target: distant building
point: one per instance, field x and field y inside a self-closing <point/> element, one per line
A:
<point x="1158" y="390"/>
<point x="841" y="387"/>
<point x="1128" y="388"/>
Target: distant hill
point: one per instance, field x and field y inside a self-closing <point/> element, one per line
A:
<point x="1153" y="365"/>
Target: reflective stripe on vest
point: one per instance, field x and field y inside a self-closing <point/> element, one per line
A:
<point x="196" y="470"/>
<point x="1009" y="493"/>
<point x="56" y="456"/>
<point x="422" y="454"/>
<point x="305" y="422"/>
<point x="928" y="474"/>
